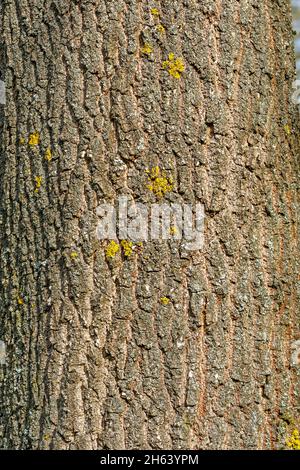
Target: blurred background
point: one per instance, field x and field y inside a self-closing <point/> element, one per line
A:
<point x="296" y="25"/>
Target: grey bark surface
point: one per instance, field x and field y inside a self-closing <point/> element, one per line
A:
<point x="94" y="359"/>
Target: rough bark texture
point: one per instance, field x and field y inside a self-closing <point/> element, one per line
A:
<point x="94" y="359"/>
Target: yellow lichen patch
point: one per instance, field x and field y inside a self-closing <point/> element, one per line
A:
<point x="127" y="247"/>
<point x="158" y="182"/>
<point x="20" y="301"/>
<point x="74" y="254"/>
<point x="175" y="66"/>
<point x="147" y="49"/>
<point x="22" y="140"/>
<point x="112" y="249"/>
<point x="34" y="139"/>
<point x="293" y="442"/>
<point x="287" y="129"/>
<point x="38" y="183"/>
<point x="173" y="230"/>
<point x="160" y="28"/>
<point x="154" y="172"/>
<point x="165" y="300"/>
<point x="155" y="12"/>
<point x="48" y="154"/>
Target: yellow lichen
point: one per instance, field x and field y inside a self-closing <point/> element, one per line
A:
<point x="173" y="230"/>
<point x="48" y="154"/>
<point x="158" y="182"/>
<point x="127" y="247"/>
<point x="293" y="442"/>
<point x="175" y="66"/>
<point x="34" y="139"/>
<point x="147" y="49"/>
<point x="20" y="301"/>
<point x="112" y="249"/>
<point x="74" y="254"/>
<point x="165" y="300"/>
<point x="22" y="140"/>
<point x="155" y="12"/>
<point x="38" y="183"/>
<point x="160" y="28"/>
<point x="287" y="129"/>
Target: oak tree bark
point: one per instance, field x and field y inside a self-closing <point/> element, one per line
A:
<point x="94" y="358"/>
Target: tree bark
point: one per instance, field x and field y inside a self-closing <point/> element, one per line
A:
<point x="94" y="358"/>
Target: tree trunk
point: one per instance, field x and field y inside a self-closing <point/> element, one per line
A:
<point x="162" y="349"/>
